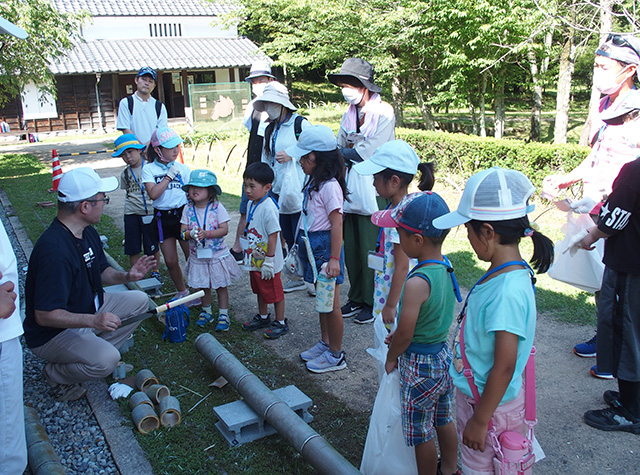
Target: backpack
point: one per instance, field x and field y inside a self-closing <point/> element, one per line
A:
<point x="176" y="323"/>
<point x="158" y="106"/>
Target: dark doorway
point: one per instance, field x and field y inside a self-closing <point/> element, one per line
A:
<point x="173" y="94"/>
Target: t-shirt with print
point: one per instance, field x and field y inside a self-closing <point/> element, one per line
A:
<point x="320" y="204"/>
<point x="173" y="197"/>
<point x="208" y="219"/>
<point x="504" y="303"/>
<point x="136" y="200"/>
<point x="264" y="220"/>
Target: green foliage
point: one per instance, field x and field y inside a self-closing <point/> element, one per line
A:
<point x="51" y="34"/>
<point x="464" y="155"/>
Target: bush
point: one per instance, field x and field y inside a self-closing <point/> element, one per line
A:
<point x="465" y="155"/>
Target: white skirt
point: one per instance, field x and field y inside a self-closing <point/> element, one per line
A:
<point x="212" y="273"/>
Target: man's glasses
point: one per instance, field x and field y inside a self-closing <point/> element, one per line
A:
<point x="106" y="200"/>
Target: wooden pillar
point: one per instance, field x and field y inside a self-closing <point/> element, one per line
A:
<point x="160" y="87"/>
<point x="232" y="75"/>
<point x="185" y="87"/>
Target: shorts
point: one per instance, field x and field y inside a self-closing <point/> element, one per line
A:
<point x="166" y="223"/>
<point x="138" y="235"/>
<point x="321" y="248"/>
<point x="427" y="394"/>
<point x="508" y="416"/>
<point x="244" y="202"/>
<point x="270" y="290"/>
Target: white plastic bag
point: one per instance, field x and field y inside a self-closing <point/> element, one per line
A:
<point x="290" y="198"/>
<point x="583" y="269"/>
<point x="362" y="194"/>
<point x="385" y="451"/>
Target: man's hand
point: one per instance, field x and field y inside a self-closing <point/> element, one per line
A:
<point x="140" y="268"/>
<point x="106" y="322"/>
<point x="173" y="171"/>
<point x="7" y="299"/>
<point x="268" y="269"/>
<point x="583" y="206"/>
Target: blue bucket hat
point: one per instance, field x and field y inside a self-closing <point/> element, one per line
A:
<point x="415" y="213"/>
<point x="124" y="142"/>
<point x="203" y="179"/>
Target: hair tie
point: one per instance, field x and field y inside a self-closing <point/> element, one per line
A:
<point x="529" y="232"/>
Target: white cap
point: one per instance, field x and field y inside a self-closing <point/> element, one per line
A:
<point x="315" y="138"/>
<point x="396" y="155"/>
<point x="83" y="183"/>
<point x="496" y="194"/>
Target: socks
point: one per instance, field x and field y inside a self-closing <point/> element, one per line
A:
<point x="223" y="311"/>
<point x="336" y="354"/>
<point x="264" y="317"/>
<point x="207" y="308"/>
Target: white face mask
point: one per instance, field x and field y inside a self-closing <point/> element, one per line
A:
<point x="352" y="96"/>
<point x="273" y="111"/>
<point x="605" y="81"/>
<point x="258" y="88"/>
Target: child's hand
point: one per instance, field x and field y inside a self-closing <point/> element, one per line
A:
<point x="194" y="233"/>
<point x="389" y="314"/>
<point x="389" y="366"/>
<point x="475" y="434"/>
<point x="333" y="268"/>
<point x="268" y="270"/>
<point x="173" y="171"/>
<point x="282" y="157"/>
<point x="389" y="338"/>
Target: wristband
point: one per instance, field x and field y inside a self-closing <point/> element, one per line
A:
<point x="183" y="235"/>
<point x="336" y="258"/>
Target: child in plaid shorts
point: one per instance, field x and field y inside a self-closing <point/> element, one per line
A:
<point x="418" y="346"/>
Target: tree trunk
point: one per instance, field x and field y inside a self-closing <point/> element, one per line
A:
<point x="483" y="118"/>
<point x="536" y="111"/>
<point x="398" y="92"/>
<point x="606" y="25"/>
<point x="499" y="106"/>
<point x="474" y="119"/>
<point x="563" y="98"/>
<point x="425" y="110"/>
<point x="288" y="80"/>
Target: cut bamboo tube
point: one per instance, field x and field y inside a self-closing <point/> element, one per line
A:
<point x="139" y="398"/>
<point x="144" y="379"/>
<point x="157" y="392"/>
<point x="145" y="418"/>
<point x="170" y="411"/>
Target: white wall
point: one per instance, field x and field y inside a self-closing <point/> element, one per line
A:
<point x="129" y="27"/>
<point x="37" y="106"/>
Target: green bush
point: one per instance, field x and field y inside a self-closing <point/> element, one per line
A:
<point x="465" y="155"/>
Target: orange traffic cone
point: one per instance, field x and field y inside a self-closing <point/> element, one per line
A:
<point x="180" y="157"/>
<point x="56" y="170"/>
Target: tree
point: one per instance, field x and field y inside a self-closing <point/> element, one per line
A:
<point x="51" y="34"/>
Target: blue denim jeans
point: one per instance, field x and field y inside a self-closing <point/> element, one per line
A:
<point x="321" y="248"/>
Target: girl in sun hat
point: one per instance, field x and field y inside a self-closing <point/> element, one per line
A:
<point x="210" y="265"/>
<point x="163" y="178"/>
<point x="324" y="194"/>
<point x="499" y="314"/>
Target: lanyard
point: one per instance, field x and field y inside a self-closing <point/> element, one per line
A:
<point x="274" y="137"/>
<point x="144" y="200"/>
<point x="381" y="235"/>
<point x="204" y="221"/>
<point x="445" y="262"/>
<point x="252" y="210"/>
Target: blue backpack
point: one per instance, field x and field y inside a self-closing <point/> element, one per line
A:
<point x="176" y="321"/>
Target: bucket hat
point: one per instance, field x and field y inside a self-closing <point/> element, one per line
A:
<point x="259" y="69"/>
<point x="274" y="92"/>
<point x="165" y="137"/>
<point x="125" y="142"/>
<point x="9" y="28"/>
<point x="147" y="71"/>
<point x="82" y="183"/>
<point x="315" y="138"/>
<point x="415" y="213"/>
<point x="203" y="179"/>
<point x="496" y="194"/>
<point x="356" y="68"/>
<point x="396" y="155"/>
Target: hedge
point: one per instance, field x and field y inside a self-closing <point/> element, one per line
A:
<point x="466" y="154"/>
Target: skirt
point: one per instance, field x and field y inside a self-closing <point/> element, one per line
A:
<point x="213" y="273"/>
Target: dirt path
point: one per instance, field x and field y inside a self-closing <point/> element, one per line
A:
<point x="565" y="390"/>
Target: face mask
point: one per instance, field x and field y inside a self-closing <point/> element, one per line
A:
<point x="273" y="111"/>
<point x="605" y="81"/>
<point x="352" y="96"/>
<point x="258" y="88"/>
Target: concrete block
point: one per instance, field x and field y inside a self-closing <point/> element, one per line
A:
<point x="150" y="285"/>
<point x="239" y="424"/>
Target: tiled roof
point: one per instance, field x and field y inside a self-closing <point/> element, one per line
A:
<point x="144" y="7"/>
<point x="164" y="54"/>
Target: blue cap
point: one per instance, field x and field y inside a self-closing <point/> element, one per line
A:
<point x="396" y="155"/>
<point x="124" y="142"/>
<point x="415" y="213"/>
<point x="147" y="71"/>
<point x="203" y="179"/>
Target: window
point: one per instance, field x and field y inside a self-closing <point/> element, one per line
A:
<point x="165" y="29"/>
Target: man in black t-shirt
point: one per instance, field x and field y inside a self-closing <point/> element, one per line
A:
<point x="70" y="321"/>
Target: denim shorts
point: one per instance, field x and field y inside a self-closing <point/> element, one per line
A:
<point x="321" y="247"/>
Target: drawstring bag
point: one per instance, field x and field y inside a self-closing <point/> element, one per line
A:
<point x="176" y="323"/>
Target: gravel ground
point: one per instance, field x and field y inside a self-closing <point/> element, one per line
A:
<point x="71" y="426"/>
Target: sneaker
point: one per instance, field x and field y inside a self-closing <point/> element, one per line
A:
<point x="156" y="275"/>
<point x="293" y="285"/>
<point x="223" y="323"/>
<point x="192" y="303"/>
<point x="257" y="322"/>
<point x="327" y="362"/>
<point x="68" y="392"/>
<point x="586" y="349"/>
<point x="204" y="318"/>
<point x="612" y="398"/>
<point x="597" y="374"/>
<point x="350" y="309"/>
<point x="311" y="289"/>
<point x="365" y="315"/>
<point x="315" y="351"/>
<point x="237" y="255"/>
<point x="276" y="330"/>
<point x="613" y="418"/>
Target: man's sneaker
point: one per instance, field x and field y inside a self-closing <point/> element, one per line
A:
<point x="204" y="318"/>
<point x="350" y="309"/>
<point x="257" y="322"/>
<point x="223" y="323"/>
<point x="327" y="362"/>
<point x="237" y="255"/>
<point x="293" y="285"/>
<point x="612" y="398"/>
<point x="155" y="274"/>
<point x="315" y="351"/>
<point x="586" y="349"/>
<point x="276" y="330"/>
<point x="601" y="375"/>
<point x="613" y="418"/>
<point x="311" y="289"/>
<point x="68" y="392"/>
<point x="364" y="316"/>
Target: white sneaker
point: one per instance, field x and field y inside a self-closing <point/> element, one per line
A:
<point x="311" y="289"/>
<point x="315" y="351"/>
<point x="327" y="362"/>
<point x="293" y="285"/>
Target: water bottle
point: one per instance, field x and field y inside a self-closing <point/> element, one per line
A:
<point x="517" y="458"/>
<point x="325" y="291"/>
